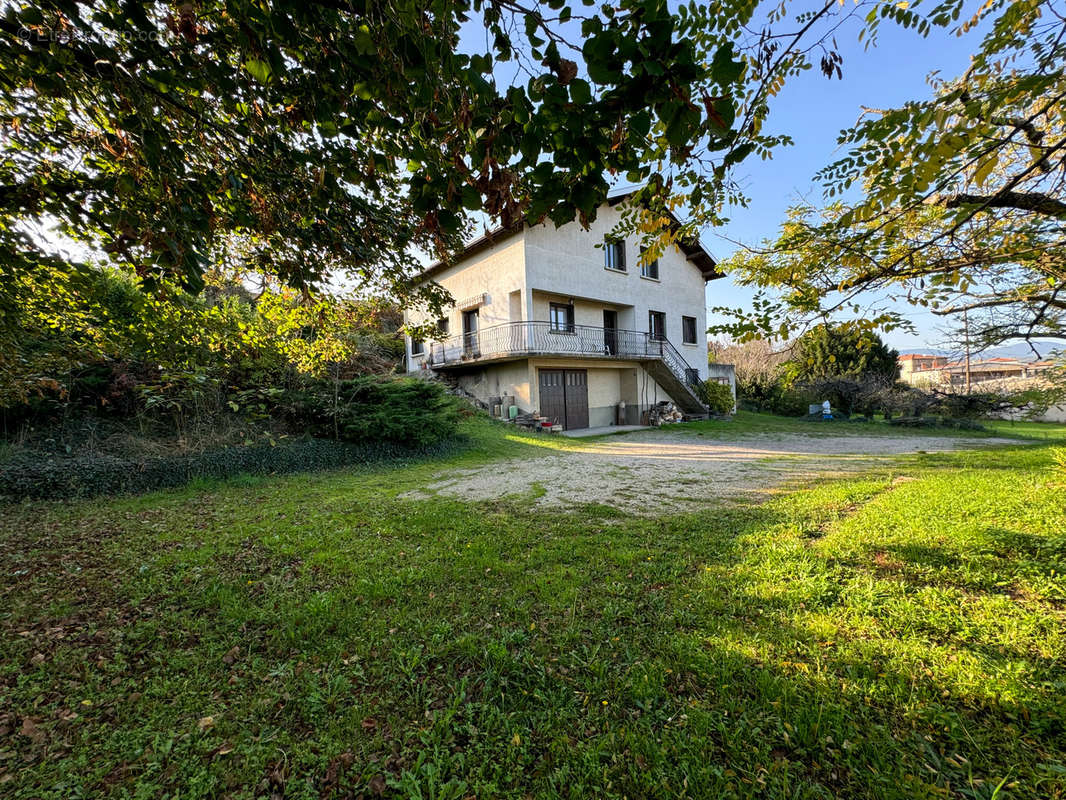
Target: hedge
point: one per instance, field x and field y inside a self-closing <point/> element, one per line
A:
<point x="32" y="476"/>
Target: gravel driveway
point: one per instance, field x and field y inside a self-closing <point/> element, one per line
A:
<point x="651" y="472"/>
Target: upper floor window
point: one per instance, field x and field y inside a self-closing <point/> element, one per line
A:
<point x="561" y="317"/>
<point x="614" y="254"/>
<point x="442" y="326"/>
<point x="657" y="325"/>
<point x="688" y="330"/>
<point x="649" y="269"/>
<point x="417" y="347"/>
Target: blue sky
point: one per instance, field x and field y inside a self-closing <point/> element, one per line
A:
<point x="813" y="110"/>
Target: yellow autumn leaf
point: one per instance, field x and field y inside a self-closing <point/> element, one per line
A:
<point x="984" y="170"/>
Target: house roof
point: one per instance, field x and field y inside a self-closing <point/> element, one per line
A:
<point x="989" y="364"/>
<point x="693" y="249"/>
<point x="912" y="356"/>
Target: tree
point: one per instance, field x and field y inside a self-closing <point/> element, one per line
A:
<point x="341" y="135"/>
<point x="846" y="351"/>
<point x="757" y="365"/>
<point x="961" y="198"/>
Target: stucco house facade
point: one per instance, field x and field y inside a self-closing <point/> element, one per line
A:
<point x="545" y="320"/>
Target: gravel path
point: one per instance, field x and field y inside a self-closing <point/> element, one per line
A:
<point x="651" y="472"/>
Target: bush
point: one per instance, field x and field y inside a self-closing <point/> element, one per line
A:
<point x="402" y="410"/>
<point x="30" y="476"/>
<point x="718" y="397"/>
<point x="775" y="399"/>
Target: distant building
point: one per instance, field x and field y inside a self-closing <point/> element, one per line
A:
<point x="911" y="364"/>
<point x="937" y="371"/>
<point x="1004" y="375"/>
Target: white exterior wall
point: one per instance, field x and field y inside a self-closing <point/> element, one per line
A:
<point x="565" y="262"/>
<point x="496" y="271"/>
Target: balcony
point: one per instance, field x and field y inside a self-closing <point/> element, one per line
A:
<point x="513" y="340"/>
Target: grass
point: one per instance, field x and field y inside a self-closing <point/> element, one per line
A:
<point x="895" y="635"/>
<point x="746" y="422"/>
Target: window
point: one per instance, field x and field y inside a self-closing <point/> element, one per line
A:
<point x="650" y="269"/>
<point x="561" y="317"/>
<point x="614" y="254"/>
<point x="688" y="330"/>
<point x="442" y="326"/>
<point x="417" y="347"/>
<point x="657" y="325"/>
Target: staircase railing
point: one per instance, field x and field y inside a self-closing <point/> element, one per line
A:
<point x="546" y="338"/>
<point x="677" y="363"/>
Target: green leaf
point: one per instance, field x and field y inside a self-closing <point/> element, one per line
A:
<point x="258" y="69"/>
<point x="580" y="91"/>
<point x="640" y="124"/>
<point x="724" y="69"/>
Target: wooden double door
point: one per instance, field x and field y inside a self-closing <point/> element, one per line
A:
<point x="564" y="397"/>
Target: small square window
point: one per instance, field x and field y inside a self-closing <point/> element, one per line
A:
<point x="650" y="269"/>
<point x="561" y="317"/>
<point x="614" y="254"/>
<point x="688" y="330"/>
<point x="417" y="347"/>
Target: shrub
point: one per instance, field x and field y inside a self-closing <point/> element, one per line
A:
<point x="404" y="410"/>
<point x="973" y="405"/>
<point x="863" y="394"/>
<point x="775" y="399"/>
<point x="716" y="396"/>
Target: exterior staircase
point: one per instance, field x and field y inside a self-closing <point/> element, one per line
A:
<point x="677" y="386"/>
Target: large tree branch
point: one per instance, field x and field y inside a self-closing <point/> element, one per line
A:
<point x="1049" y="300"/>
<point x="1037" y="202"/>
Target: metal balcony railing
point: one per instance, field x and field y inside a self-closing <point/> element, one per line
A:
<point x="543" y="338"/>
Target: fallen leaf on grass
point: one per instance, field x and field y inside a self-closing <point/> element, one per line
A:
<point x="206" y="722"/>
<point x="231" y="655"/>
<point x="332" y="776"/>
<point x="377" y="785"/>
<point x="31" y="731"/>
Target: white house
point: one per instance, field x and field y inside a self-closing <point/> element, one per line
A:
<point x="545" y="320"/>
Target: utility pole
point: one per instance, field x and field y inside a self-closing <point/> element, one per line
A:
<point x="966" y="335"/>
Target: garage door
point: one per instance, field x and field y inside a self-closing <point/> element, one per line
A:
<point x="564" y="397"/>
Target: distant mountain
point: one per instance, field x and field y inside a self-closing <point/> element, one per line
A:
<point x="1023" y="351"/>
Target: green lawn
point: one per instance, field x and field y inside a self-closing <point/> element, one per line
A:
<point x="898" y="635"/>
<point x="748" y="423"/>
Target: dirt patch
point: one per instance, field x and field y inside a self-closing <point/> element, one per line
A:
<point x="652" y="472"/>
